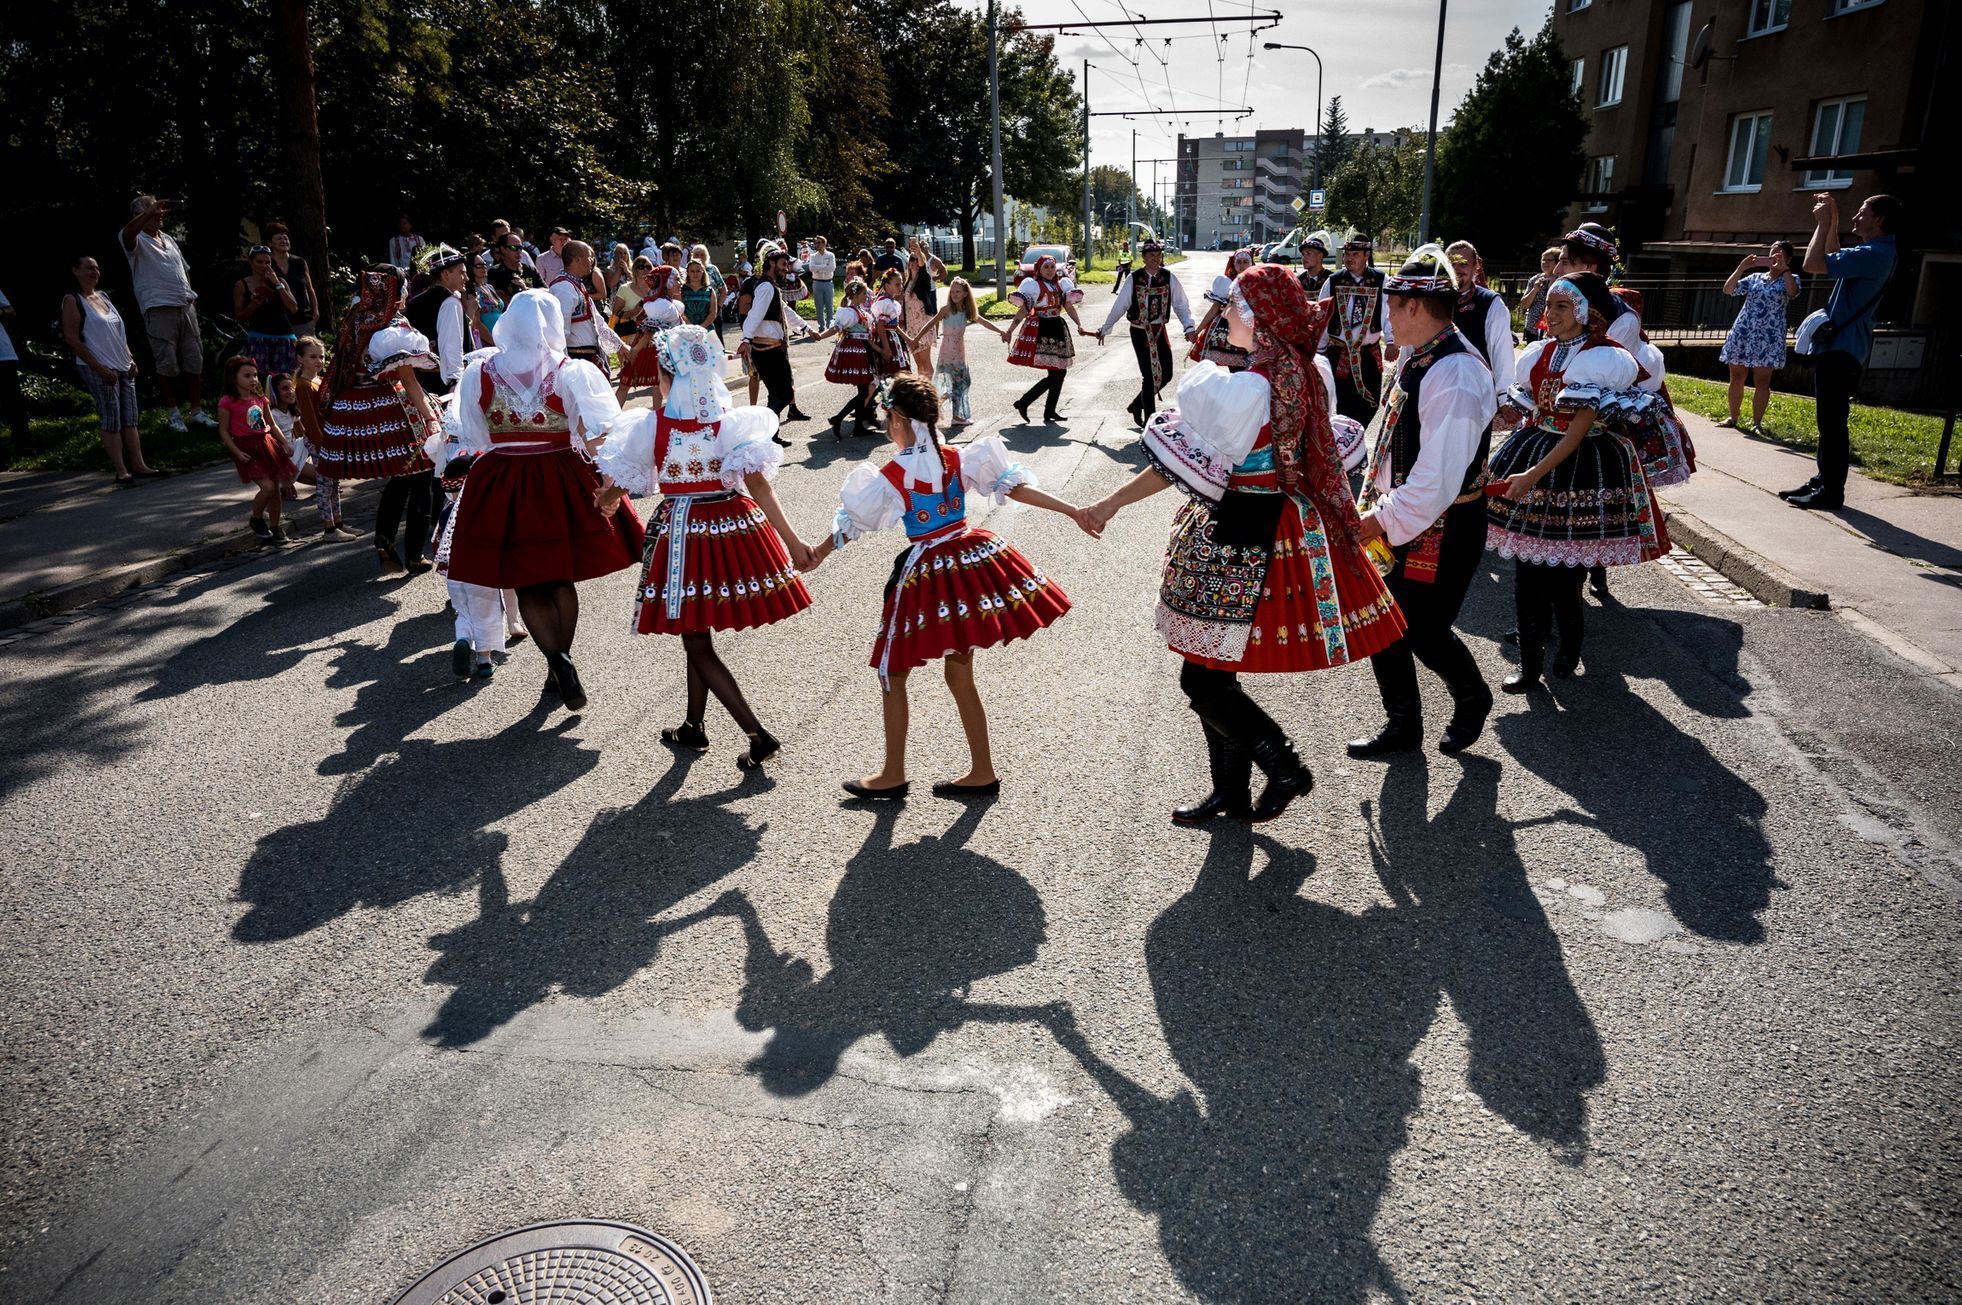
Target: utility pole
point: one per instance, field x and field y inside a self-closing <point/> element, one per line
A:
<point x="1088" y="243"/>
<point x="1131" y="200"/>
<point x="1430" y="151"/>
<point x="994" y="110"/>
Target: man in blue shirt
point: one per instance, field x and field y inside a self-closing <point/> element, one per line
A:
<point x="1859" y="274"/>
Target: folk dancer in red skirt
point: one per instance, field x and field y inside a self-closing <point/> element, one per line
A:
<point x="1576" y="495"/>
<point x="377" y="417"/>
<point x="527" y="519"/>
<point x="1038" y="338"/>
<point x="851" y="358"/>
<point x="1265" y="571"/>
<point x="720" y="555"/>
<point x="657" y="310"/>
<point x="886" y="345"/>
<point x="1213" y="346"/>
<point x="956" y="588"/>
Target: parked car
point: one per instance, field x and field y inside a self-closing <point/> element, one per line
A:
<point x="1065" y="264"/>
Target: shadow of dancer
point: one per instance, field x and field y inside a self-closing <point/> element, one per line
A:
<point x="1715" y="867"/>
<point x="910" y="929"/>
<point x="592" y="926"/>
<point x="418" y="823"/>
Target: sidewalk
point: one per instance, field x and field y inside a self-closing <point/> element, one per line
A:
<point x="71" y="538"/>
<point x="1891" y="560"/>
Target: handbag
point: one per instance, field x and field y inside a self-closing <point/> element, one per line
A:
<point x="1818" y="331"/>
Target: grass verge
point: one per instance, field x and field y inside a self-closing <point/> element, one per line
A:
<point x="75" y="444"/>
<point x="1888" y="443"/>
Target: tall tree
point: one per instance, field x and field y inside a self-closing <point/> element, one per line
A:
<point x="1335" y="148"/>
<point x="1521" y="126"/>
<point x="291" y="53"/>
<point x="1378" y="190"/>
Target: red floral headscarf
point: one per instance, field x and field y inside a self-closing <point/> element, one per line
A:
<point x="378" y="301"/>
<point x="1287" y="333"/>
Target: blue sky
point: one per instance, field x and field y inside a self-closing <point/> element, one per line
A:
<point x="1376" y="55"/>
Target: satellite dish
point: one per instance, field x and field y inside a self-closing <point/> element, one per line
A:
<point x="1700" y="47"/>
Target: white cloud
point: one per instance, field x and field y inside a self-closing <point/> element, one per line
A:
<point x="1398" y="78"/>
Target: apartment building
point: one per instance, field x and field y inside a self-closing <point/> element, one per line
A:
<point x="1713" y="122"/>
<point x="1240" y="190"/>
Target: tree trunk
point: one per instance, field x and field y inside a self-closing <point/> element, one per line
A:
<point x="299" y="128"/>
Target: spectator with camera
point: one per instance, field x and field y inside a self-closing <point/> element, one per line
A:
<point x="1841" y="337"/>
<point x="162" y="281"/>
<point x="1756" y="345"/>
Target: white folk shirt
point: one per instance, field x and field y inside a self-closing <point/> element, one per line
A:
<point x="1454" y="409"/>
<point x="575" y="301"/>
<point x="157" y="272"/>
<point x="449" y="338"/>
<point x="758" y="326"/>
<point x="1122" y="304"/>
<point x="1498" y="338"/>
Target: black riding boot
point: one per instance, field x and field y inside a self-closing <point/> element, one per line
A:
<point x="1232" y="793"/>
<point x="1287" y="778"/>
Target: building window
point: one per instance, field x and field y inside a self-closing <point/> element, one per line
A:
<point x="1835" y="130"/>
<point x="1579" y="75"/>
<point x="1600" y="182"/>
<point x="1768" y="16"/>
<point x="1575" y="6"/>
<point x="1750" y="140"/>
<point x="1835" y="8"/>
<point x="1614" y="65"/>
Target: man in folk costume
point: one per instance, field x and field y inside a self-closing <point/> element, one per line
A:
<point x="1148" y="298"/>
<point x="437" y="311"/>
<point x="587" y="336"/>
<point x="1422" y="494"/>
<point x="1480" y="315"/>
<point x="1356" y="334"/>
<point x="766" y="336"/>
<point x="1314" y="271"/>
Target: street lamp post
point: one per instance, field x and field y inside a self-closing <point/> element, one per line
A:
<point x="1282" y="45"/>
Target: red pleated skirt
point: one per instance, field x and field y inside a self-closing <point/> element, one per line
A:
<point x="528" y="519"/>
<point x="266" y="459"/>
<point x="366" y="434"/>
<point x="969" y="591"/>
<point x="851" y="363"/>
<point x="734" y="571"/>
<point x="645" y="369"/>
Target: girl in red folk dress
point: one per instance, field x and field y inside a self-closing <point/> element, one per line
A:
<point x="656" y="311"/>
<point x="1265" y="571"/>
<point x="527" y="519"/>
<point x="886" y="343"/>
<point x="377" y="417"/>
<point x="720" y="555"/>
<point x="1037" y="337"/>
<point x="956" y="588"/>
<point x="851" y="358"/>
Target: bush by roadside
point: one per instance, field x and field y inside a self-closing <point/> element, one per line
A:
<point x="1888" y="443"/>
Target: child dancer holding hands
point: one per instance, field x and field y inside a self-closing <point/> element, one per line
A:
<point x="851" y="358"/>
<point x="956" y="588"/>
<point x="954" y="317"/>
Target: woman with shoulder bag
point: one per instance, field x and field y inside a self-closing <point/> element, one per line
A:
<point x="93" y="330"/>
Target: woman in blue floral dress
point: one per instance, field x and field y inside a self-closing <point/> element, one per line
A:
<point x="1756" y="346"/>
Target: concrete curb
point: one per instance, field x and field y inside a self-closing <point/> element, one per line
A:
<point x="1766" y="581"/>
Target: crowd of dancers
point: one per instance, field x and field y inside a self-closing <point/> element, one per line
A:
<point x="523" y="452"/>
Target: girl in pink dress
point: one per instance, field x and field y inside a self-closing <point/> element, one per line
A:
<point x="951" y="375"/>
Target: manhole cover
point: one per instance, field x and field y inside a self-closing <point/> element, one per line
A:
<point x="578" y="1262"/>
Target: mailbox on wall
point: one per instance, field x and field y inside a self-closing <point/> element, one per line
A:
<point x="1898" y="353"/>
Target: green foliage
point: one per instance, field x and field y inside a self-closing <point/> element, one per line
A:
<point x="1335" y="146"/>
<point x="1379" y="188"/>
<point x="1520" y="132"/>
<point x="1888" y="443"/>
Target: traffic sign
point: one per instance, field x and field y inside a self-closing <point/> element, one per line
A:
<point x="1317" y="200"/>
<point x="1297" y="203"/>
<point x="783" y="223"/>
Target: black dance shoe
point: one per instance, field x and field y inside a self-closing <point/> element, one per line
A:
<point x="570" y="689"/>
<point x="947" y="788"/>
<point x="796" y="414"/>
<point x="1394" y="737"/>
<point x="1564" y="664"/>
<point x="461" y="659"/>
<point x="689" y="734"/>
<point x="762" y="746"/>
<point x="897" y="793"/>
<point x="1237" y="806"/>
<point x="780" y="441"/>
<point x="1287" y="778"/>
<point x="1232" y="795"/>
<point x="1022" y="407"/>
<point x="1810" y="486"/>
<point x="1819" y="499"/>
<point x="1523" y="680"/>
<point x="1597" y="582"/>
<point x="1467" y="723"/>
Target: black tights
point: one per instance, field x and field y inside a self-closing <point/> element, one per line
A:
<point x="416" y="494"/>
<point x="1544" y="597"/>
<point x="1222" y="705"/>
<point x="706" y="674"/>
<point x="1052" y="384"/>
<point x="857" y="405"/>
<point x="551" y="613"/>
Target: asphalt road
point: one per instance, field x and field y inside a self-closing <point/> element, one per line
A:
<point x="316" y="967"/>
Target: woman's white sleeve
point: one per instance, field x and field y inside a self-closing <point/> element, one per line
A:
<point x="1027" y="291"/>
<point x="583" y="389"/>
<point x="845" y="318"/>
<point x="986" y="469"/>
<point x="746" y="446"/>
<point x="1219" y="414"/>
<point x="867" y="504"/>
<point x="627" y="457"/>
